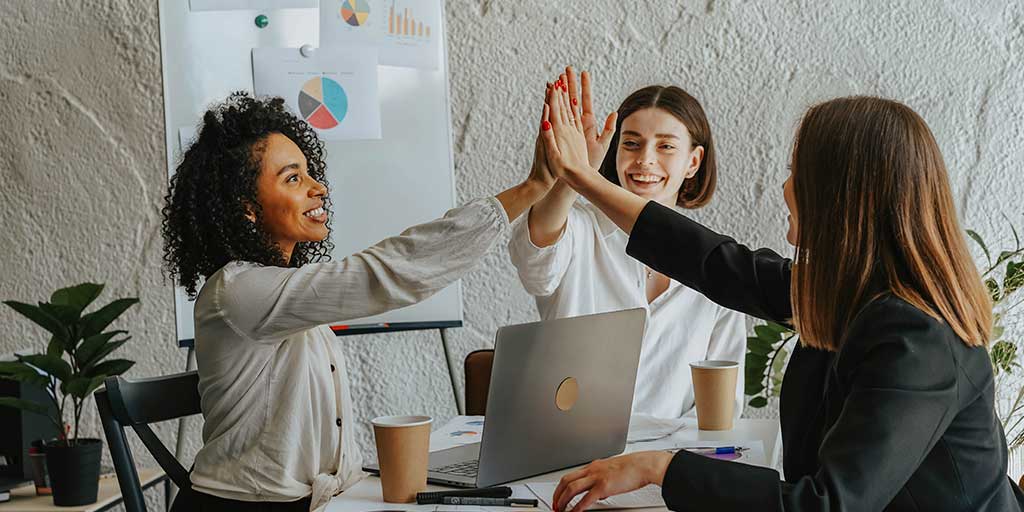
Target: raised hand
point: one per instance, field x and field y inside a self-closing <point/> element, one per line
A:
<point x="539" y="171"/>
<point x="565" y="141"/>
<point x="597" y="141"/>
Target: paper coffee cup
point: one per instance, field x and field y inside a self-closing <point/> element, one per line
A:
<point x="403" y="445"/>
<point x="714" y="391"/>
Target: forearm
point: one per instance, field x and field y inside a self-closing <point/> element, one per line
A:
<point x="519" y="198"/>
<point x="620" y="205"/>
<point x="547" y="218"/>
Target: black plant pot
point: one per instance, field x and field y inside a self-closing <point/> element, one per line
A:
<point x="74" y="472"/>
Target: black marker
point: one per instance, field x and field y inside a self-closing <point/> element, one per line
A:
<point x="488" y="502"/>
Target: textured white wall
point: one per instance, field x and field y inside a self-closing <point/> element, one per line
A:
<point x="82" y="163"/>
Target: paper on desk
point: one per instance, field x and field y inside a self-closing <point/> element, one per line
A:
<point x="457" y="432"/>
<point x="644" y="497"/>
<point x="648" y="428"/>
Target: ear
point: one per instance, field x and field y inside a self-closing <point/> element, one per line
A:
<point x="696" y="157"/>
<point x="249" y="212"/>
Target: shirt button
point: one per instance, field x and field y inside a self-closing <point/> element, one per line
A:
<point x="332" y="368"/>
<point x="337" y="422"/>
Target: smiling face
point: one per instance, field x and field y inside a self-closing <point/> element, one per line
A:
<point x="292" y="202"/>
<point x="655" y="155"/>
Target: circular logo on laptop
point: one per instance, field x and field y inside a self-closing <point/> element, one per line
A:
<point x="567" y="394"/>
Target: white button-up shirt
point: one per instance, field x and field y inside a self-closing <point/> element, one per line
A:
<point x="275" y="392"/>
<point x="588" y="271"/>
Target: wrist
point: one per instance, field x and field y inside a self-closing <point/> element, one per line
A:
<point x="534" y="187"/>
<point x="658" y="467"/>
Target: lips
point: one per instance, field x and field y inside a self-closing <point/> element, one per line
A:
<point x="645" y="180"/>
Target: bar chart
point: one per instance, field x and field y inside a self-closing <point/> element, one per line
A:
<point x="403" y="22"/>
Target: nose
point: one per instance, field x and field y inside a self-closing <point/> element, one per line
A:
<point x="318" y="189"/>
<point x="647" y="157"/>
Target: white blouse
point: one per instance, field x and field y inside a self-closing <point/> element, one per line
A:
<point x="588" y="271"/>
<point x="272" y="377"/>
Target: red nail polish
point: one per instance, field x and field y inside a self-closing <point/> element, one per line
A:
<point x="574" y="102"/>
<point x="545" y="125"/>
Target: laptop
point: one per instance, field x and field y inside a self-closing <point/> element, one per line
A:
<point x="561" y="394"/>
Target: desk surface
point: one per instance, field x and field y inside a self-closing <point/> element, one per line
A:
<point x="24" y="499"/>
<point x="366" y="495"/>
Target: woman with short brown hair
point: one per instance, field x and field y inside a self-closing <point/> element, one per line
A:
<point x="888" y="402"/>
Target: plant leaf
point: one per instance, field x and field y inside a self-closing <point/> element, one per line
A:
<point x="66" y="315"/>
<point x="94" y="323"/>
<point x="52" y="365"/>
<point x="55" y="347"/>
<point x="24" y="405"/>
<point x="81" y="387"/>
<point x="767" y="334"/>
<point x="758" y="346"/>
<point x="92" y="345"/>
<point x="102" y="352"/>
<point x="757" y="361"/>
<point x="993" y="288"/>
<point x="758" y="402"/>
<point x="40" y="317"/>
<point x="21" y="372"/>
<point x="977" y="238"/>
<point x="110" y="368"/>
<point x="1014" y="278"/>
<point x="78" y="297"/>
<point x="1004" y="356"/>
<point x="751" y="387"/>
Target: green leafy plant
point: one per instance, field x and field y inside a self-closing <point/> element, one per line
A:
<point x="1004" y="279"/>
<point x="765" y="363"/>
<point x="74" y="363"/>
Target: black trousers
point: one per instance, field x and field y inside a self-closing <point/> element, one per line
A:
<point x="194" y="501"/>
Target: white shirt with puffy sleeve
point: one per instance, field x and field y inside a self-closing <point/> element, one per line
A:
<point x="588" y="271"/>
<point x="272" y="377"/>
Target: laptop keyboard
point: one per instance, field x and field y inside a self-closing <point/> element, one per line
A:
<point x="467" y="468"/>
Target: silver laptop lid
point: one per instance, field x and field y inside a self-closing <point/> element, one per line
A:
<point x="561" y="394"/>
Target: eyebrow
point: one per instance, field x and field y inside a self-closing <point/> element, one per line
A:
<point x="658" y="135"/>
<point x="287" y="167"/>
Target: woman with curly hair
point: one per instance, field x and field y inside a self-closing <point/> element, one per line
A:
<point x="246" y="224"/>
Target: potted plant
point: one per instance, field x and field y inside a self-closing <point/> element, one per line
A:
<point x="72" y="367"/>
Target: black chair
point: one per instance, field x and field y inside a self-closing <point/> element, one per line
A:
<point x="137" y="403"/>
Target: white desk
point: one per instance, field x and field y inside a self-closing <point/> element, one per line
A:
<point x="366" y="495"/>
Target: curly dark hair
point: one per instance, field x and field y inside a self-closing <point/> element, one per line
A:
<point x="205" y="223"/>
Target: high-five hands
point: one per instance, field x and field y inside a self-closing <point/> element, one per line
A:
<point x="565" y="142"/>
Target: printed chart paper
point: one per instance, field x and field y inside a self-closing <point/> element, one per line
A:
<point x="334" y="89"/>
<point x="406" y="33"/>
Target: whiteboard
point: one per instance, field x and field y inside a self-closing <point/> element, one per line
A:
<point x="378" y="187"/>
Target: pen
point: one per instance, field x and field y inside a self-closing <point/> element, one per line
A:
<point x="434" y="498"/>
<point x="488" y="502"/>
<point x="715" y="450"/>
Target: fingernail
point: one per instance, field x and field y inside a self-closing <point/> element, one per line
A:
<point x="545" y="125"/>
<point x="574" y="102"/>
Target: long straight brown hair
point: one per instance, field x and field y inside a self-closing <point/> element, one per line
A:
<point x="876" y="216"/>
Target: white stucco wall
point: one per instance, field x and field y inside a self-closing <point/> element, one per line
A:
<point x="82" y="163"/>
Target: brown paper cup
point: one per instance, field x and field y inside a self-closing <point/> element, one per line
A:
<point x="403" y="445"/>
<point x="714" y="390"/>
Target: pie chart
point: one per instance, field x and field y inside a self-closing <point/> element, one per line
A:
<point x="323" y="103"/>
<point x="355" y="12"/>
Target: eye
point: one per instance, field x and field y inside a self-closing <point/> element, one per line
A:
<point x="667" y="146"/>
<point x="629" y="144"/>
<point x="294" y="178"/>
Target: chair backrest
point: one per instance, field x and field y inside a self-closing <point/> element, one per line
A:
<point x="478" y="381"/>
<point x="137" y="403"/>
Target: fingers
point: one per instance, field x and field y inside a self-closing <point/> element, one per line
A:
<point x="568" y="478"/>
<point x="588" y="500"/>
<point x="609" y="129"/>
<point x="571" y="82"/>
<point x="586" y="99"/>
<point x="548" y="135"/>
<point x="573" y="489"/>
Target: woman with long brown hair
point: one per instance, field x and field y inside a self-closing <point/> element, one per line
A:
<point x="888" y="403"/>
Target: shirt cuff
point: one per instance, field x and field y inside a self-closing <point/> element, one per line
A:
<point x="499" y="212"/>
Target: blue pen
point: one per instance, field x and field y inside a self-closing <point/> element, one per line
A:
<point x="715" y="450"/>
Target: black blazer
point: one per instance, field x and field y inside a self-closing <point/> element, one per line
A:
<point x="901" y="418"/>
